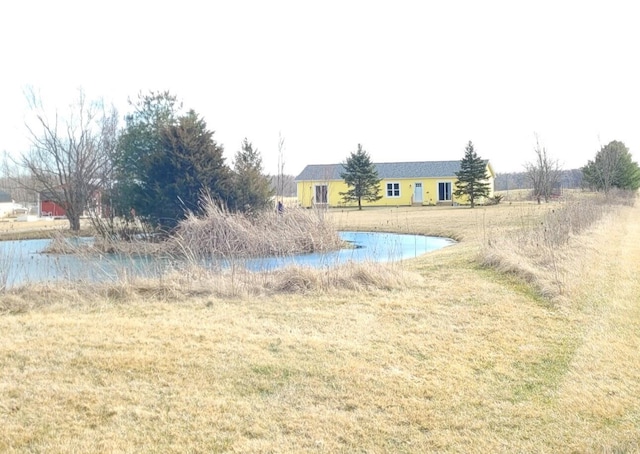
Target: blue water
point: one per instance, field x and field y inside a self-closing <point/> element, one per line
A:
<point x="22" y="262"/>
<point x="366" y="246"/>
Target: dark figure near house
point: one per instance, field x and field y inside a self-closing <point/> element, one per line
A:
<point x="280" y="207"/>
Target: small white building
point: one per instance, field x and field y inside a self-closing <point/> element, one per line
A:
<point x="8" y="207"/>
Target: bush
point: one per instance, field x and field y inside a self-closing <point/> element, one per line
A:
<point x="496" y="199"/>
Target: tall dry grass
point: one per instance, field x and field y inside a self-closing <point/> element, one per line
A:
<point x="220" y="233"/>
<point x="198" y="282"/>
<point x="537" y="251"/>
<point x="6" y="258"/>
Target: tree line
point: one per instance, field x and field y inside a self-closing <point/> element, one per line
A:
<point x="612" y="168"/>
<point x="569" y="179"/>
<point x="157" y="168"/>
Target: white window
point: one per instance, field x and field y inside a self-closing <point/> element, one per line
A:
<point x="444" y="191"/>
<point x="393" y="189"/>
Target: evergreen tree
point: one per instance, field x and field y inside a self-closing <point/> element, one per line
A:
<point x="190" y="164"/>
<point x="361" y="177"/>
<point x="166" y="161"/>
<point x="472" y="177"/>
<point x="252" y="188"/>
<point x="137" y="150"/>
<point x="612" y="167"/>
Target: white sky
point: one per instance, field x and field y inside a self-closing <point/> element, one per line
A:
<point x="410" y="80"/>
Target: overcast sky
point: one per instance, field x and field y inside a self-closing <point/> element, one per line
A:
<point x="409" y="80"/>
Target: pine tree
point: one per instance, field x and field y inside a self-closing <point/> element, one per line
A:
<point x="190" y="164"/>
<point x="472" y="177"/>
<point x="253" y="188"/>
<point x="361" y="177"/>
<point x="613" y="167"/>
<point x="165" y="162"/>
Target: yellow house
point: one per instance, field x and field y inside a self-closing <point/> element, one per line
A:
<point x="403" y="183"/>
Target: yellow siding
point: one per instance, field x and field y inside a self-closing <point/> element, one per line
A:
<point x="407" y="196"/>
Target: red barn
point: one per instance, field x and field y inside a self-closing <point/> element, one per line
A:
<point x="49" y="208"/>
<point x="94" y="206"/>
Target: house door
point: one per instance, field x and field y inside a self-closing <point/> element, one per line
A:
<point x="444" y="191"/>
<point x="321" y="194"/>
<point x="417" y="193"/>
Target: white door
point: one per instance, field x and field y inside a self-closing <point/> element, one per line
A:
<point x="417" y="193"/>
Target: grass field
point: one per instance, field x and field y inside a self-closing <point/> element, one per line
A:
<point x="435" y="354"/>
<point x="11" y="229"/>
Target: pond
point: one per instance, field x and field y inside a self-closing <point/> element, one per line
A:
<point x="22" y="262"/>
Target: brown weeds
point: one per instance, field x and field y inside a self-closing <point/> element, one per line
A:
<point x="220" y="233"/>
<point x="535" y="252"/>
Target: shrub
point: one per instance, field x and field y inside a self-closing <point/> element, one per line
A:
<point x="496" y="199"/>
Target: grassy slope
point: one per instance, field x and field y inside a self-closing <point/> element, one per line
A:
<point x="463" y="360"/>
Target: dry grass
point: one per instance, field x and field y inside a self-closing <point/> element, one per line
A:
<point x="446" y="356"/>
<point x="540" y="253"/>
<point x="11" y="229"/>
<point x="220" y="233"/>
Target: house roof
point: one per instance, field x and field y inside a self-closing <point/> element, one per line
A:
<point x="386" y="170"/>
<point x="5" y="197"/>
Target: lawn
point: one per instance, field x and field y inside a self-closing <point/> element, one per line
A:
<point x="434" y="354"/>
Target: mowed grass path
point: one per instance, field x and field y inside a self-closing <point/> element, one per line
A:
<point x="462" y="359"/>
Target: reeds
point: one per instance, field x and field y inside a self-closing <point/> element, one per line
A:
<point x="223" y="234"/>
<point x="5" y="264"/>
<point x="196" y="282"/>
<point x="535" y="252"/>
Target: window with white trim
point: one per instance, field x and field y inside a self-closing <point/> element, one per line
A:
<point x="393" y="189"/>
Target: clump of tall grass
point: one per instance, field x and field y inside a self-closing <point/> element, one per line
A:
<point x="294" y="279"/>
<point x="536" y="251"/>
<point x="210" y="285"/>
<point x="224" y="234"/>
<point x="62" y="243"/>
<point x="349" y="276"/>
<point x="216" y="233"/>
<point x="5" y="265"/>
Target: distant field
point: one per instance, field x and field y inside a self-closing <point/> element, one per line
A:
<point x="10" y="229"/>
<point x="515" y="195"/>
<point x="11" y="225"/>
<point x="435" y="354"/>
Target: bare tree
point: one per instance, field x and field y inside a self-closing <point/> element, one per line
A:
<point x="544" y="173"/>
<point x="70" y="160"/>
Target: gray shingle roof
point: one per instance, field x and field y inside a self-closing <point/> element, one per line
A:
<point x="386" y="170"/>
